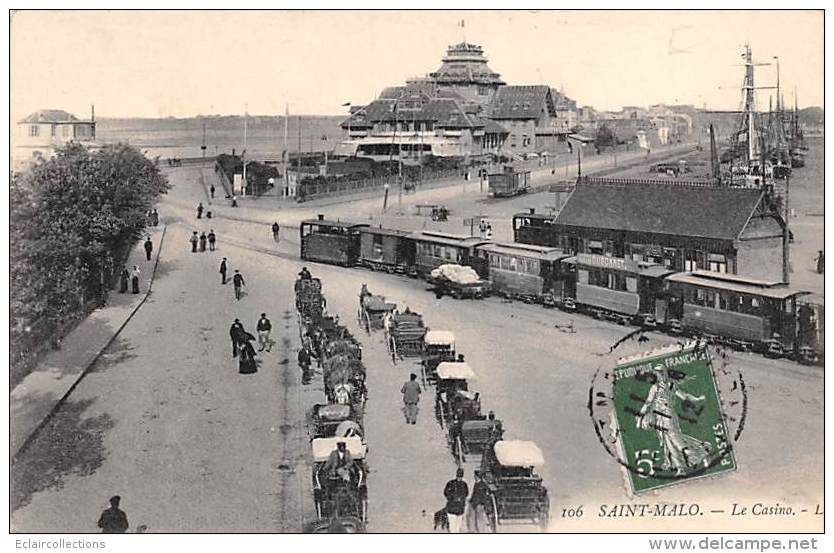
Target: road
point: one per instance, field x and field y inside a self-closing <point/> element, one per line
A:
<point x="166" y="421"/>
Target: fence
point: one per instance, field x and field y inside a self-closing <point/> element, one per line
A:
<point x="311" y="189"/>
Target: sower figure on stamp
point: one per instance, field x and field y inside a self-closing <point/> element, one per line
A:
<point x="113" y="520"/>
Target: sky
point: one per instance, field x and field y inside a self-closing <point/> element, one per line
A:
<point x="160" y="64"/>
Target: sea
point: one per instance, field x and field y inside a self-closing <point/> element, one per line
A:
<point x="183" y="138"/>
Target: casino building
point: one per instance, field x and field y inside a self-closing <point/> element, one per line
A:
<point x="463" y="109"/>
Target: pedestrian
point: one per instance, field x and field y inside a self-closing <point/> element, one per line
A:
<point x="237" y="280"/>
<point x="234" y="201"/>
<point x="134" y="279"/>
<point x="304" y="364"/>
<point x="124" y="278"/>
<point x="211" y="190"/>
<point x="478" y="501"/>
<point x="246" y="359"/>
<point x="148" y="247"/>
<point x="194" y="240"/>
<point x="275" y="230"/>
<point x="200" y="210"/>
<point x="456" y="492"/>
<point x="489" y="232"/>
<point x="820" y="262"/>
<point x="113" y="520"/>
<point x="212" y="238"/>
<point x="203" y="240"/>
<point x="223" y="271"/>
<point x="236" y="333"/>
<point x="411" y="397"/>
<point x="264" y="327"/>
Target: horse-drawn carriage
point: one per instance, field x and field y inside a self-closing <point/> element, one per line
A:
<point x="309" y="300"/>
<point x="513" y="489"/>
<point x="373" y="309"/>
<point x="406" y="335"/>
<point x="335" y="421"/>
<point x="453" y="400"/>
<point x="344" y="376"/>
<point x="472" y="437"/>
<point x="439" y="346"/>
<point x="341" y="492"/>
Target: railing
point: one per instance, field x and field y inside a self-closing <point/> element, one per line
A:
<point x="314" y="190"/>
<point x="628" y="181"/>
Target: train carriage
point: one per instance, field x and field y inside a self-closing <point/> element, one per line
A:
<point x="740" y="310"/>
<point x="524" y="271"/>
<point x="535" y="229"/>
<point x="433" y="249"/>
<point x="334" y="242"/>
<point x="387" y="250"/>
<point x="620" y="289"/>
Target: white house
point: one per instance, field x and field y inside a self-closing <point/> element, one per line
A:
<point x="40" y="133"/>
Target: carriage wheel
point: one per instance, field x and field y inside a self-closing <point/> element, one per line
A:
<point x="493" y="515"/>
<point x="544" y="513"/>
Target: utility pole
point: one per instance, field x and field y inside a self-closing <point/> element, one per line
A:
<point x="786" y="237"/>
<point x="203" y="146"/>
<point x="285" y="156"/>
<point x="243" y="154"/>
<point x="298" y="173"/>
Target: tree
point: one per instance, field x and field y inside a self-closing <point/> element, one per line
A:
<point x="605" y="137"/>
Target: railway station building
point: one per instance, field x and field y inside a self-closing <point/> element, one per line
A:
<point x="683" y="227"/>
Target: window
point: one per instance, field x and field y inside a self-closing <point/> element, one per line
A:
<point x="583" y="276"/>
<point x="53" y="130"/>
<point x="717" y="263"/>
<point x="631" y="284"/>
<point x="377" y="244"/>
<point x="66" y="130"/>
<point x="513" y="264"/>
<point x="34" y="130"/>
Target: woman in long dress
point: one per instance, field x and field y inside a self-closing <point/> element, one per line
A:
<point x="134" y="279"/>
<point x="124" y="278"/>
<point x="246" y="358"/>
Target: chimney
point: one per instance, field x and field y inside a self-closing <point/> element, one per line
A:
<point x="321" y="216"/>
<point x="532" y="210"/>
<point x="93" y="113"/>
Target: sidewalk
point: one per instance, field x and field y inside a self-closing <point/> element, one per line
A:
<point x="37" y="397"/>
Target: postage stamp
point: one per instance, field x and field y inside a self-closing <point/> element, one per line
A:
<point x="665" y="413"/>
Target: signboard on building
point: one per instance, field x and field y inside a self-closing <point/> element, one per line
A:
<point x="670" y="424"/>
<point x="605" y="262"/>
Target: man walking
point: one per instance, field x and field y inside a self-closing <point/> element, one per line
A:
<point x="236" y="333"/>
<point x="200" y="210"/>
<point x="113" y="520"/>
<point x="411" y="397"/>
<point x="212" y="238"/>
<point x="264" y="328"/>
<point x="223" y="271"/>
<point x="194" y="240"/>
<point x="237" y="280"/>
<point x="275" y="230"/>
<point x="304" y="364"/>
<point x="456" y="492"/>
<point x="148" y="247"/>
<point x="211" y="190"/>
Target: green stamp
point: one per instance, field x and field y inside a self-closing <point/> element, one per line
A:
<point x="668" y="418"/>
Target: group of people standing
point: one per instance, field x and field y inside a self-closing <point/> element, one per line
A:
<point x="130" y="278"/>
<point x="242" y="347"/>
<point x="202" y="240"/>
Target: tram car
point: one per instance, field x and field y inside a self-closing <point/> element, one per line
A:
<point x="619" y="289"/>
<point x="388" y="250"/>
<point x="525" y="271"/>
<point x="333" y="242"/>
<point x="336" y="495"/>
<point x="508" y="183"/>
<point x="514" y="490"/>
<point x="740" y="311"/>
<point x="433" y="249"/>
<point x="534" y="228"/>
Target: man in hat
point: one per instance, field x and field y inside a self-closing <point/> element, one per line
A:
<point x="236" y="333"/>
<point x="113" y="520"/>
<point x="223" y="269"/>
<point x="411" y="397"/>
<point x="212" y="238"/>
<point x="264" y="327"/>
<point x="200" y="210"/>
<point x="194" y="240"/>
<point x="148" y="247"/>
<point x="456" y="492"/>
<point x="237" y="280"/>
<point x="305" y="274"/>
<point x="339" y="463"/>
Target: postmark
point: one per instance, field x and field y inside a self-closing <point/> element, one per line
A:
<point x="670" y="415"/>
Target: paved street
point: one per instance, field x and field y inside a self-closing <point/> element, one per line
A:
<point x="166" y="421"/>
